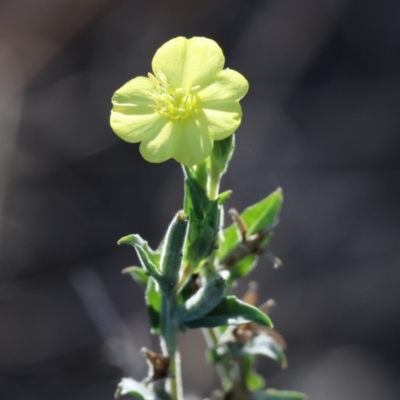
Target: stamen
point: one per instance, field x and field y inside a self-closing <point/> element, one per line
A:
<point x="171" y="102"/>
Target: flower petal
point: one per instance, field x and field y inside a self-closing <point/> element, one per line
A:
<point x="161" y="145"/>
<point x="194" y="143"/>
<point x="131" y="117"/>
<point x="222" y="119"/>
<point x="134" y="128"/>
<point x="229" y="85"/>
<point x="135" y="93"/>
<point x="188" y="62"/>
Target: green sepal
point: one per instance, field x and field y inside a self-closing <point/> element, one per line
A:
<point x="222" y="152"/>
<point x="272" y="394"/>
<point x="202" y="302"/>
<point x="264" y="214"/>
<point x="230" y="311"/>
<point x="172" y="250"/>
<point x="200" y="173"/>
<point x="196" y="197"/>
<point x="203" y="220"/>
<point x="153" y="303"/>
<point x="138" y="274"/>
<point x="129" y="386"/>
<point x="149" y="259"/>
<point x="202" y="245"/>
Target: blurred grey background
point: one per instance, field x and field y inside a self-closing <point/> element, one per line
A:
<point x="321" y="119"/>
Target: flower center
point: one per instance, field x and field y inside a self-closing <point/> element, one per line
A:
<point x="170" y="102"/>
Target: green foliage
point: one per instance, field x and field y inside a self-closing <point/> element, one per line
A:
<point x="264" y="214"/>
<point x="202" y="302"/>
<point x="153" y="303"/>
<point x="230" y="238"/>
<point x="222" y="153"/>
<point x="264" y="345"/>
<point x="260" y="344"/>
<point x="187" y="280"/>
<point x="254" y="381"/>
<point x="129" y="386"/>
<point x="149" y="259"/>
<point x="230" y="311"/>
<point x="172" y="252"/>
<point x="272" y="394"/>
<point x="203" y="220"/>
<point x="138" y="274"/>
<point x="242" y="268"/>
<point x="239" y="246"/>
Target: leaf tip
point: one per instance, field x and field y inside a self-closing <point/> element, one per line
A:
<point x="126" y="240"/>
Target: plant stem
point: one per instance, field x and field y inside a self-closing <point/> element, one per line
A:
<point x="169" y="331"/>
<point x="223" y="369"/>
<point x="176" y="380"/>
<point x="211" y="336"/>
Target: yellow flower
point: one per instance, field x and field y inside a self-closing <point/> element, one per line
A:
<point x="188" y="102"/>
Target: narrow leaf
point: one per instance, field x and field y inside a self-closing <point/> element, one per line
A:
<point x="203" y="301"/>
<point x="265" y="345"/>
<point x="242" y="268"/>
<point x="172" y="252"/>
<point x="229" y="239"/>
<point x="273" y="394"/>
<point x="263" y="214"/>
<point x="230" y="311"/>
<point x="147" y="257"/>
<point x="153" y="302"/>
<point x="138" y="274"/>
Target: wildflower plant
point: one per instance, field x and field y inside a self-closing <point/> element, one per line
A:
<point x="188" y="109"/>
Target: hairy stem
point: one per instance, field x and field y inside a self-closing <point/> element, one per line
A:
<point x="169" y="331"/>
<point x="211" y="335"/>
<point x="223" y="369"/>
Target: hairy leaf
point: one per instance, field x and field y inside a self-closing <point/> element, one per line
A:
<point x="129" y="386"/>
<point x="263" y="214"/>
<point x="230" y="311"/>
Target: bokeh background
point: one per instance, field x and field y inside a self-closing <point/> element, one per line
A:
<point x="321" y="119"/>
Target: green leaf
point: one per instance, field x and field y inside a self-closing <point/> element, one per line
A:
<point x="229" y="239"/>
<point x="203" y="220"/>
<point x="264" y="214"/>
<point x="153" y="302"/>
<point x="230" y="311"/>
<point x="224" y="196"/>
<point x="198" y="196"/>
<point x="273" y="394"/>
<point x="265" y="345"/>
<point x="203" y="301"/>
<point x="138" y="274"/>
<point x="172" y="252"/>
<point x="203" y="245"/>
<point x="129" y="386"/>
<point x="147" y="257"/>
<point x="242" y="268"/>
<point x="254" y="381"/>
